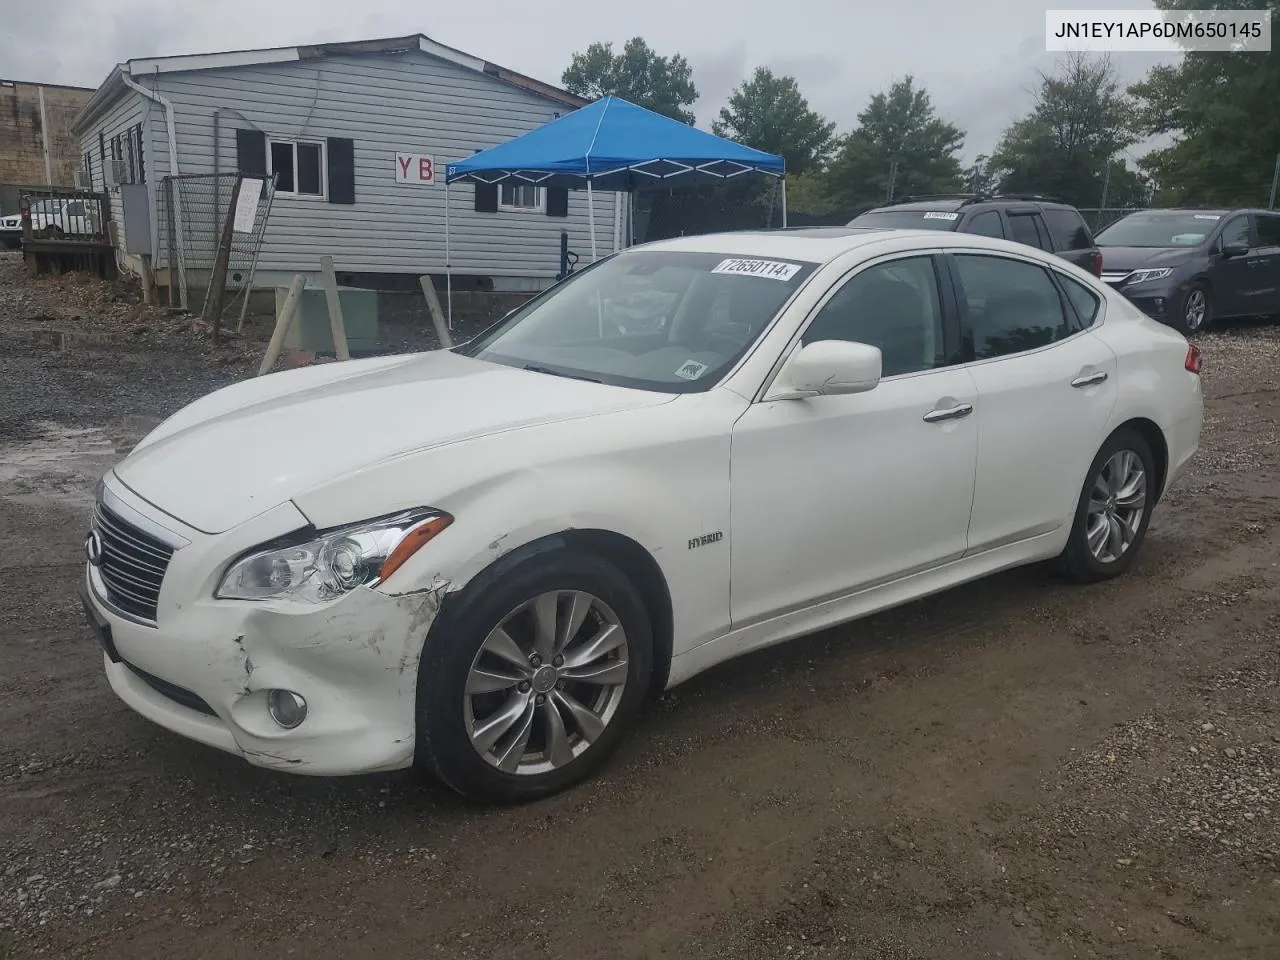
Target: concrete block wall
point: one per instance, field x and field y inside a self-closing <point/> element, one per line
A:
<point x="22" y="133"/>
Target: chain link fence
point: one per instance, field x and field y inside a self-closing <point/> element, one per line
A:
<point x="193" y="212"/>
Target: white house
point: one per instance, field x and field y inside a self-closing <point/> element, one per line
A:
<point x="357" y="136"/>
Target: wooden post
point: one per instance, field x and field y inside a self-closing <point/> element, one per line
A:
<point x="148" y="281"/>
<point x="218" y="281"/>
<point x="437" y="315"/>
<point x="330" y="281"/>
<point x="283" y="322"/>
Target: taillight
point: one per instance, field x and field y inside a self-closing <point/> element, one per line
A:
<point x="1193" y="361"/>
<point x="1097" y="264"/>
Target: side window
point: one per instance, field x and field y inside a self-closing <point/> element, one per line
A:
<point x="1023" y="229"/>
<point x="1085" y="301"/>
<point x="986" y="224"/>
<point x="1268" y="229"/>
<point x="1236" y="231"/>
<point x="1068" y="228"/>
<point x="893" y="306"/>
<point x="1010" y="306"/>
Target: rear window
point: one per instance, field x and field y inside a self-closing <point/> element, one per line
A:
<point x="1068" y="229"/>
<point x="910" y="219"/>
<point x="1026" y="230"/>
<point x="1085" y="301"/>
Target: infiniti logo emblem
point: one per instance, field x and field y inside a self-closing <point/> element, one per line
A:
<point x="93" y="547"/>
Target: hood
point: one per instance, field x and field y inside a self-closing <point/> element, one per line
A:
<point x="1124" y="259"/>
<point x="251" y="446"/>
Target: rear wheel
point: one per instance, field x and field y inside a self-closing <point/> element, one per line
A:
<point x="1114" y="509"/>
<point x="533" y="680"/>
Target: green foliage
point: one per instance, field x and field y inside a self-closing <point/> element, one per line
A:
<point x="1222" y="111"/>
<point x="769" y="113"/>
<point x="661" y="84"/>
<point x="1079" y="123"/>
<point x="899" y="137"/>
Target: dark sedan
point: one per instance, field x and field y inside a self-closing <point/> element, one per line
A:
<point x="1187" y="268"/>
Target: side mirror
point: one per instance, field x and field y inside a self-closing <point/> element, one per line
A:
<point x="1232" y="250"/>
<point x="829" y="367"/>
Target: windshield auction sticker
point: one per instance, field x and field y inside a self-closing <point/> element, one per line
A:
<point x="934" y="215"/>
<point x="773" y="269"/>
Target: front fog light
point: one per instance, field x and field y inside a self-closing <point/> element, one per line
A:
<point x="286" y="708"/>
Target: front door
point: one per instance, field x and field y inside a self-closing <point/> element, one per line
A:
<point x="1232" y="279"/>
<point x="1046" y="387"/>
<point x="836" y="493"/>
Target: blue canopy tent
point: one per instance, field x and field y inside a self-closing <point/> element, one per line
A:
<point x="612" y="145"/>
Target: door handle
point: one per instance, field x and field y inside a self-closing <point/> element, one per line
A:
<point x="949" y="413"/>
<point x="1089" y="379"/>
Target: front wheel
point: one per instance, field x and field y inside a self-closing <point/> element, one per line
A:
<point x="1195" y="313"/>
<point x="533" y="679"/>
<point x="1114" y="510"/>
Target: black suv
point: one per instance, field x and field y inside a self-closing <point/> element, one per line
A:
<point x="1036" y="221"/>
<point x="1186" y="267"/>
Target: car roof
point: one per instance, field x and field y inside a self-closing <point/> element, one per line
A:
<point x="819" y="244"/>
<point x="1213" y="212"/>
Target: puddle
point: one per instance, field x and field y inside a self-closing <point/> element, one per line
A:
<point x="62" y="464"/>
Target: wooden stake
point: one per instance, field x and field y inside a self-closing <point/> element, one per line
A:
<point x="218" y="281"/>
<point x="283" y="322"/>
<point x="437" y="315"/>
<point x="330" y="280"/>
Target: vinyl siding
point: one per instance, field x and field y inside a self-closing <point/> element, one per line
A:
<point x="119" y="118"/>
<point x="387" y="104"/>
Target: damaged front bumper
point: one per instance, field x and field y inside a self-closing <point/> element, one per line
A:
<point x="206" y="667"/>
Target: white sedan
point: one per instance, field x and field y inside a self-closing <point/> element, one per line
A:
<point x="485" y="558"/>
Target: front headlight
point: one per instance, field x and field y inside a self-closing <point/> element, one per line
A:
<point x="1145" y="276"/>
<point x="334" y="562"/>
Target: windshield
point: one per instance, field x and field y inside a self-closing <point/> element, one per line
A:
<point x="652" y="319"/>
<point x="1159" y="228"/>
<point x="914" y="219"/>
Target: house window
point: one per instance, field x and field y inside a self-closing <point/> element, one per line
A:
<point x="520" y="196"/>
<point x="298" y="166"/>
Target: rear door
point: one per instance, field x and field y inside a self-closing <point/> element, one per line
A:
<point x="1027" y="226"/>
<point x="1046" y="388"/>
<point x="1071" y="237"/>
<point x="1267" y="227"/>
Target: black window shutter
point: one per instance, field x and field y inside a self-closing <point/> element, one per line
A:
<point x="102" y="150"/>
<point x="342" y="170"/>
<point x="557" y="201"/>
<point x="142" y="164"/>
<point x="251" y="153"/>
<point x="486" y="198"/>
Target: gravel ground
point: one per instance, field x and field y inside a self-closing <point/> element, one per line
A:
<point x="1018" y="768"/>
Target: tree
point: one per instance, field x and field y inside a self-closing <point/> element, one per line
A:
<point x="1080" y="122"/>
<point x="1221" y="110"/>
<point x="769" y="113"/>
<point x="662" y="84"/>
<point x="900" y="147"/>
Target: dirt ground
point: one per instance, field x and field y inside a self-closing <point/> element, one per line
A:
<point x="1019" y="768"/>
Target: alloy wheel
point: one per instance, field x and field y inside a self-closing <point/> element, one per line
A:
<point x="1195" y="309"/>
<point x="1117" y="503"/>
<point x="546" y="682"/>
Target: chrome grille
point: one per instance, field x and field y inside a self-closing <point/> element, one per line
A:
<point x="133" y="564"/>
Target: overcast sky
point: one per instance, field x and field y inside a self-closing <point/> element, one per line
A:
<point x="977" y="59"/>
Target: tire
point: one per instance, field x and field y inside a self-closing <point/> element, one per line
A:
<point x="1079" y="561"/>
<point x="459" y="649"/>
<point x="1195" y="310"/>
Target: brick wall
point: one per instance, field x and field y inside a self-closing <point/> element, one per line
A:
<point x="21" y="141"/>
